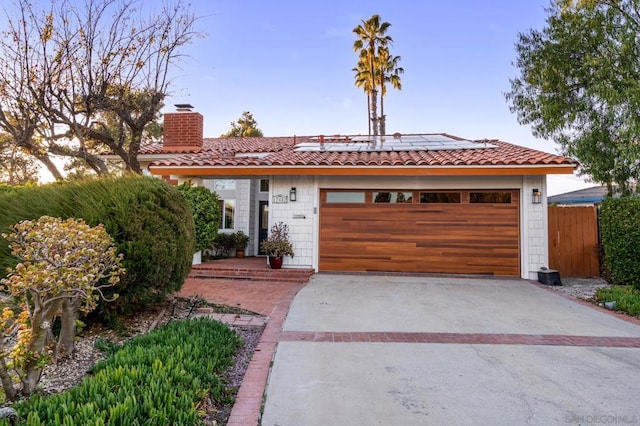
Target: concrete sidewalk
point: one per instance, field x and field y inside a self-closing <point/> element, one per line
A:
<point x="362" y="350"/>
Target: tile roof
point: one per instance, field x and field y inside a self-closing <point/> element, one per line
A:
<point x="279" y="151"/>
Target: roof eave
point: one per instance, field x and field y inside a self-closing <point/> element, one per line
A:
<point x="471" y="170"/>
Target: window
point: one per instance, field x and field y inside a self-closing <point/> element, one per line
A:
<point x="345" y="197"/>
<point x="224" y="184"/>
<point x="264" y="185"/>
<point x="393" y="197"/>
<point x="440" y="197"/>
<point x="490" y="197"/>
<point x="227" y="214"/>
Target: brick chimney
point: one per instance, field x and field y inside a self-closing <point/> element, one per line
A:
<point x="182" y="130"/>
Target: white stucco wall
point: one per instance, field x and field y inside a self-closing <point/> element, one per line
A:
<point x="302" y="215"/>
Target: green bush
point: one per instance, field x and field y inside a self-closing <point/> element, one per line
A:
<point x="620" y="228"/>
<point x="223" y="243"/>
<point x="6" y="188"/>
<point x="155" y="379"/>
<point x="205" y="207"/>
<point x="147" y="218"/>
<point x="627" y="298"/>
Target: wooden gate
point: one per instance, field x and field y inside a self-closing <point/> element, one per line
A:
<point x="573" y="241"/>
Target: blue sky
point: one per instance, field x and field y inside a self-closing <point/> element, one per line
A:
<point x="290" y="62"/>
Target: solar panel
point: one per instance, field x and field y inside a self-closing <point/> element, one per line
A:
<point x="428" y="142"/>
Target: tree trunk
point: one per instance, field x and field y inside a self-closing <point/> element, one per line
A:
<point x="383" y="124"/>
<point x="134" y="147"/>
<point x="33" y="370"/>
<point x="67" y="336"/>
<point x="369" y="112"/>
<point x="44" y="159"/>
<point x="7" y="384"/>
<point x="40" y="316"/>
<point x="374" y="111"/>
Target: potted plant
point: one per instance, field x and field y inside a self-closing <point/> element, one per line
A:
<point x="277" y="245"/>
<point x="223" y="243"/>
<point x="241" y="241"/>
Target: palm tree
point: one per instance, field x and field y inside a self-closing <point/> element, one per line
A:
<point x="363" y="81"/>
<point x="372" y="34"/>
<point x="389" y="72"/>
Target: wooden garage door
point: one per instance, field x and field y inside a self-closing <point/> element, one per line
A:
<point x="457" y="232"/>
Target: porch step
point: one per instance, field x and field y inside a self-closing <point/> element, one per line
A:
<point x="251" y="274"/>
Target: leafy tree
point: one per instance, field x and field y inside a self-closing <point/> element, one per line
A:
<point x="245" y="127"/>
<point x="375" y="66"/>
<point x="579" y="85"/>
<point x="77" y="81"/>
<point x="206" y="213"/>
<point x="16" y="167"/>
<point x="64" y="267"/>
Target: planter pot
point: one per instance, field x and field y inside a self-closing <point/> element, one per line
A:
<point x="275" y="262"/>
<point x="239" y="253"/>
<point x="197" y="258"/>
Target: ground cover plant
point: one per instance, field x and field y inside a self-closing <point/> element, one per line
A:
<point x="160" y="378"/>
<point x="626" y="298"/>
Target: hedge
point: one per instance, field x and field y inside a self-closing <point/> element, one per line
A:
<point x="148" y="219"/>
<point x="155" y="379"/>
<point x="620" y="229"/>
<point x="206" y="213"/>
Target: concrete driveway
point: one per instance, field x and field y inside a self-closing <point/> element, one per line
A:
<point x="390" y="350"/>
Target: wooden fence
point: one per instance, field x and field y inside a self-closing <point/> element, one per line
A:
<point x="573" y="241"/>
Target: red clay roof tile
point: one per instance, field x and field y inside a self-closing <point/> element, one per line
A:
<point x="279" y="151"/>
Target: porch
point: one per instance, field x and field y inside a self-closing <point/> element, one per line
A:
<point x="246" y="283"/>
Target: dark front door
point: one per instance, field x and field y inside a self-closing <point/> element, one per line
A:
<point x="263" y="224"/>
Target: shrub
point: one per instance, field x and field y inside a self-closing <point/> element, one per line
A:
<point x="627" y="298"/>
<point x="149" y="221"/>
<point x="223" y="243"/>
<point x="28" y="203"/>
<point x="65" y="266"/>
<point x="241" y="240"/>
<point x="206" y="213"/>
<point x="6" y="188"/>
<point x="159" y="378"/>
<point x="621" y="240"/>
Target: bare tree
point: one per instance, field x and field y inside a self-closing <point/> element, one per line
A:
<point x="88" y="77"/>
<point x="16" y="168"/>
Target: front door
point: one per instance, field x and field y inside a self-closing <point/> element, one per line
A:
<point x="263" y="224"/>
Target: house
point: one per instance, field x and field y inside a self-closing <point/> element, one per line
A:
<point x="427" y="203"/>
<point x="582" y="197"/>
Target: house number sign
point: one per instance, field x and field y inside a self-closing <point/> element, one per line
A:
<point x="280" y="199"/>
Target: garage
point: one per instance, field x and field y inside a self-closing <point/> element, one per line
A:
<point x="420" y="231"/>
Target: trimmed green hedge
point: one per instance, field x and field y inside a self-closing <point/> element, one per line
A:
<point x="620" y="228"/>
<point x="155" y="379"/>
<point x="148" y="219"/>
